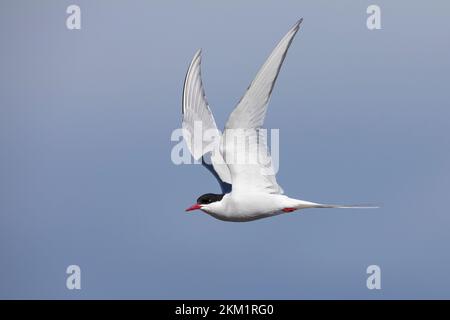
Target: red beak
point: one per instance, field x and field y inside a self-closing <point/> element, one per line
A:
<point x="194" y="207"/>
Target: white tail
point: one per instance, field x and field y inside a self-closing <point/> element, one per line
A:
<point x="347" y="206"/>
<point x="301" y="204"/>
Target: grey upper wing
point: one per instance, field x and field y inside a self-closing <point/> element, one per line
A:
<point x="245" y="122"/>
<point x="251" y="109"/>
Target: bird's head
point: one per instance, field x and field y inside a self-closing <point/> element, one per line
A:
<point x="206" y="202"/>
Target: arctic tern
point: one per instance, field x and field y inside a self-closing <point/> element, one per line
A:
<point x="249" y="190"/>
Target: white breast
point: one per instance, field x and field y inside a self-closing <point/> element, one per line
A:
<point x="238" y="206"/>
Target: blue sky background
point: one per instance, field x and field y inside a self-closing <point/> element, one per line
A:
<point x="85" y="170"/>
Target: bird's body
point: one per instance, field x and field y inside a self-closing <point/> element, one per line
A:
<point x="248" y="206"/>
<point x="242" y="206"/>
<point x="239" y="156"/>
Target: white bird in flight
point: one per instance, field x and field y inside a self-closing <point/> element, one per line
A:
<point x="249" y="190"/>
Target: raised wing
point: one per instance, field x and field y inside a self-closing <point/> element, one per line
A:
<point x="244" y="146"/>
<point x="251" y="109"/>
<point x="198" y="122"/>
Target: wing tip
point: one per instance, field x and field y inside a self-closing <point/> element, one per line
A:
<point x="297" y="25"/>
<point x="195" y="59"/>
<point x="198" y="54"/>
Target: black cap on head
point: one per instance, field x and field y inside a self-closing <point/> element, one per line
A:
<point x="209" y="198"/>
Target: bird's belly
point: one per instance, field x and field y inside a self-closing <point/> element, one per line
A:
<point x="249" y="207"/>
